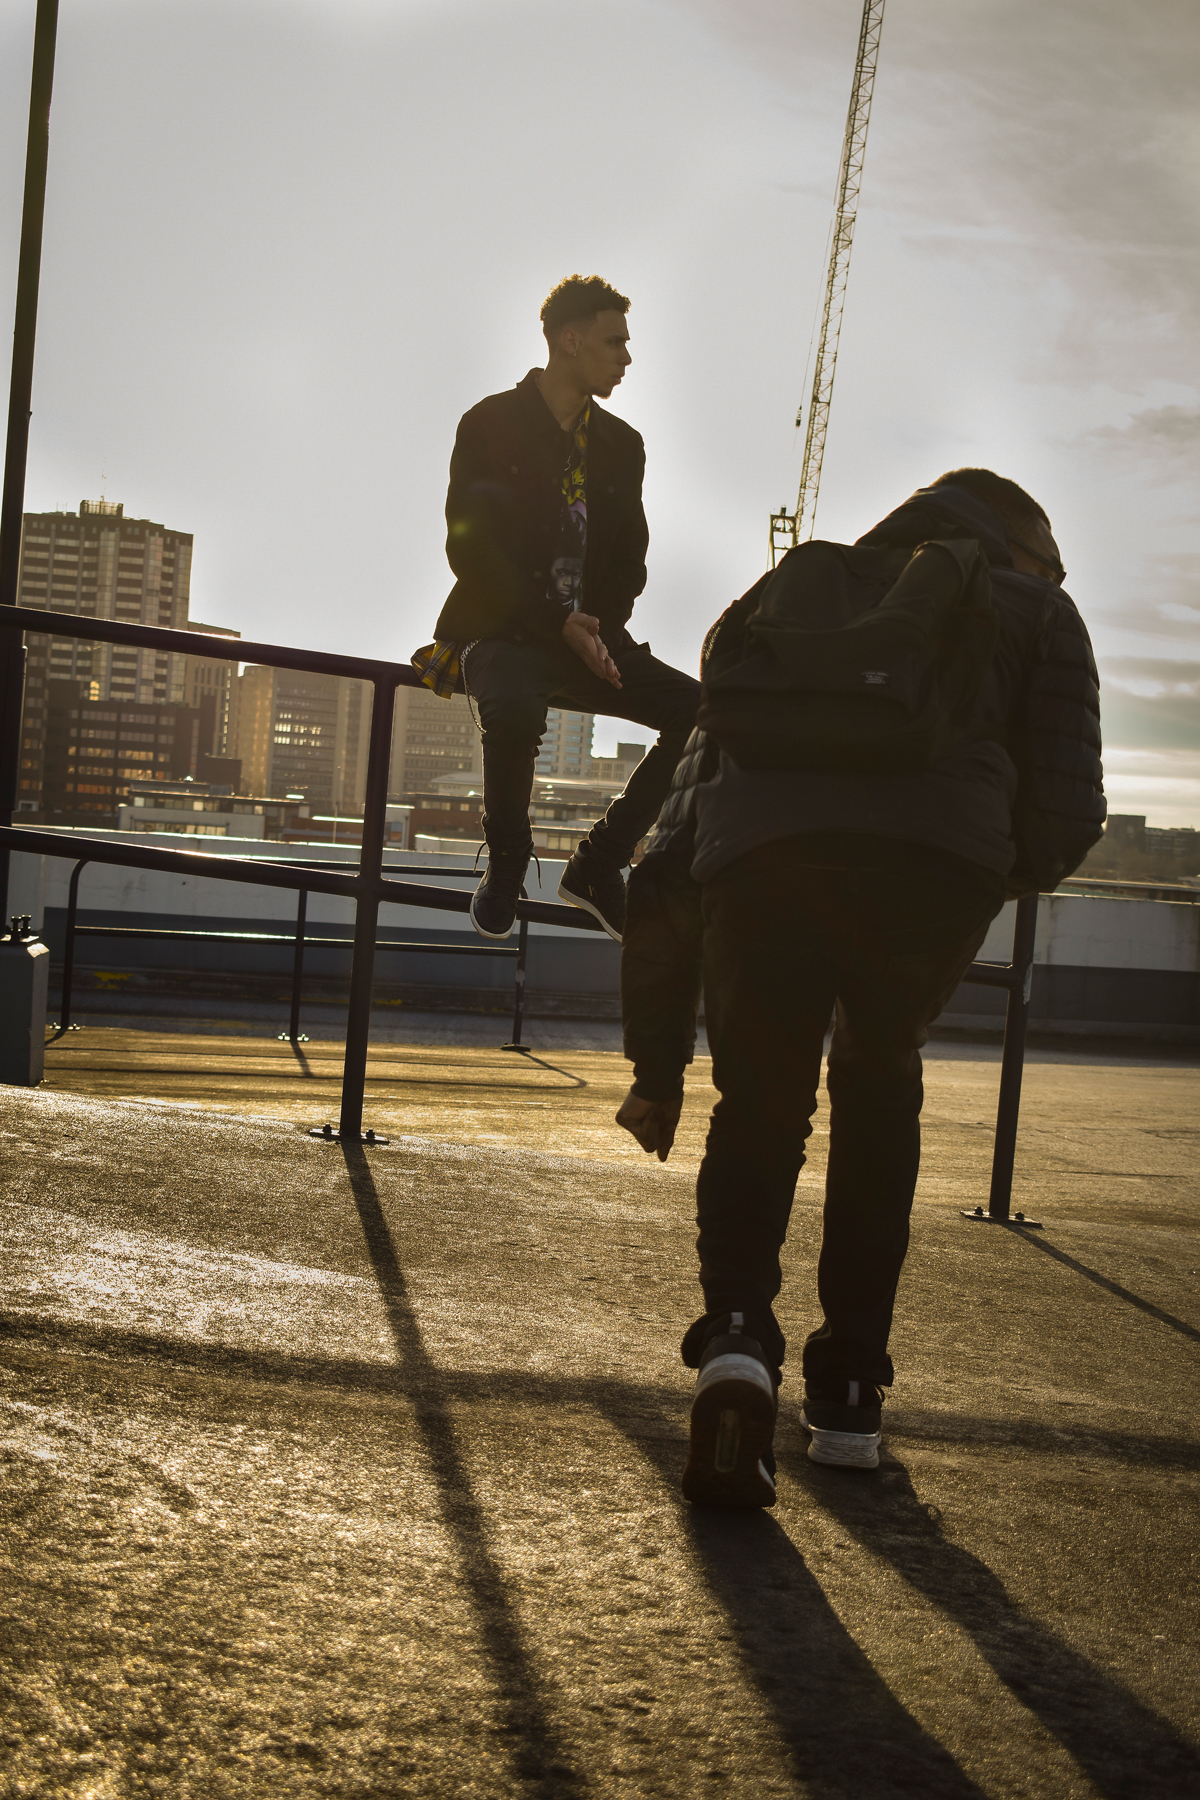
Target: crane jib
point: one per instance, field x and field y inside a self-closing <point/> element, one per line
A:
<point x="787" y="528"/>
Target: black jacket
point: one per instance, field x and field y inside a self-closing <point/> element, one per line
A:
<point x="503" y="516"/>
<point x="1041" y="700"/>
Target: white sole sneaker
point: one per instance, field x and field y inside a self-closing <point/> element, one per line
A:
<point x="732" y="1427"/>
<point x="495" y="935"/>
<point x="843" y="1449"/>
<point x="573" y="899"/>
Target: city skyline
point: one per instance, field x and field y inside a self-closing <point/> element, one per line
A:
<point x="329" y="272"/>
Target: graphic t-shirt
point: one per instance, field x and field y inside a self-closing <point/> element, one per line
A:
<point x="566" y="570"/>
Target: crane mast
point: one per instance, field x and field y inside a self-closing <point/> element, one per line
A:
<point x="788" y="528"/>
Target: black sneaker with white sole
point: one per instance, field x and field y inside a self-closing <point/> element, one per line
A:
<point x="494" y="902"/>
<point x="844" y="1419"/>
<point x="598" y="888"/>
<point x="730" y="1460"/>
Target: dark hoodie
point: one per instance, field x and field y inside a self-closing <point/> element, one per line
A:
<point x="1022" y="799"/>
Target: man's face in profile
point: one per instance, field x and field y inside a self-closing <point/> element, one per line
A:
<point x="603" y="353"/>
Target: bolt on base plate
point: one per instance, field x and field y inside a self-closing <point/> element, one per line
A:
<point x="330" y="1134"/>
<point x="986" y="1218"/>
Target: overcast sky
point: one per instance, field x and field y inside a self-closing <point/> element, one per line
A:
<point x="289" y="242"/>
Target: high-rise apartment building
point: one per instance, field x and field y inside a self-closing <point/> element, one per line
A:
<point x="431" y="738"/>
<point x="566" y="751"/>
<point x="302" y="734"/>
<point x="105" y="566"/>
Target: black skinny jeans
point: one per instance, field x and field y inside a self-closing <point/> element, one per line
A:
<point x="878" y="933"/>
<point x="513" y="685"/>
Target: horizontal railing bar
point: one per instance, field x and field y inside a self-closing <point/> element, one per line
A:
<point x="1002" y="975"/>
<point x="204" y="643"/>
<point x="275" y="937"/>
<point x="256" y="871"/>
<point x="265" y="873"/>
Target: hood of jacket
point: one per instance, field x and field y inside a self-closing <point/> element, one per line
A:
<point x="943" y="512"/>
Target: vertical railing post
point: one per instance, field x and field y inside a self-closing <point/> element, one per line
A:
<point x="1012" y="1063"/>
<point x="20" y="399"/>
<point x="68" y="973"/>
<point x="366" y="913"/>
<point x="519" y="989"/>
<point x="298" y="965"/>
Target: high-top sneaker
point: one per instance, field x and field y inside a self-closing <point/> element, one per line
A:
<point x="592" y="883"/>
<point x="844" y="1418"/>
<point x="494" y="902"/>
<point x="730" y="1461"/>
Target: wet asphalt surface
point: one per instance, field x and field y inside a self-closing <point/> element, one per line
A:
<point x="353" y="1472"/>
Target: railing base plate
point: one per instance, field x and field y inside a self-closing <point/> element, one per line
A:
<point x="980" y="1217"/>
<point x="330" y="1134"/>
<point x="521" y="1049"/>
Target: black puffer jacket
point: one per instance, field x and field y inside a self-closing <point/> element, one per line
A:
<point x="1041" y="701"/>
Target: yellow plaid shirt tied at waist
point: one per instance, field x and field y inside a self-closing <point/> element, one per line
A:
<point x="440" y="667"/>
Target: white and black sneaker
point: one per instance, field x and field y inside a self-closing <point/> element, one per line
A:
<point x="844" y="1419"/>
<point x="730" y="1460"/>
<point x="494" y="902"/>
<point x="590" y="883"/>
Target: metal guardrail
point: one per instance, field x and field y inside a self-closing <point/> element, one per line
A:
<point x="300" y="941"/>
<point x="369" y="887"/>
<point x="1100" y="887"/>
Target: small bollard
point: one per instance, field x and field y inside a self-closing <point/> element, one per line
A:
<point x="24" y="989"/>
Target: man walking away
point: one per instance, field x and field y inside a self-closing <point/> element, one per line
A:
<point x="547" y="538"/>
<point x="845" y="857"/>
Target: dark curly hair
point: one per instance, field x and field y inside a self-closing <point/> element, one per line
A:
<point x="578" y="297"/>
<point x="1017" y="508"/>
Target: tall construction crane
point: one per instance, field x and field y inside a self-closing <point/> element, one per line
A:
<point x="787" y="528"/>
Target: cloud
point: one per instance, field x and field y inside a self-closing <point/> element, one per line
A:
<point x="1153" y="676"/>
<point x="1162" y="784"/>
<point x="1171" y="432"/>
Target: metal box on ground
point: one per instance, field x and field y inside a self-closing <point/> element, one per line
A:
<point x="24" y="987"/>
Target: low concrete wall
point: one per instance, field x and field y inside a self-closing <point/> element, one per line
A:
<point x="1102" y="965"/>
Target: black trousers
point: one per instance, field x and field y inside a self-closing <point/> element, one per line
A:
<point x="877" y="933"/>
<point x="513" y="685"/>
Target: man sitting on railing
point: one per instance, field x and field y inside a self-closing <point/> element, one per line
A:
<point x="894" y="737"/>
<point x="547" y="537"/>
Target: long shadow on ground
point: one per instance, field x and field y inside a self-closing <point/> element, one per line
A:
<point x="1128" y="1750"/>
<point x="539" y="1761"/>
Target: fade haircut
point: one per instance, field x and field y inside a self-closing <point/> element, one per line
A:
<point x="578" y="297"/>
<point x="1018" y="509"/>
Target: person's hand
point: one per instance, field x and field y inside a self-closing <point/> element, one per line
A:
<point x="581" y="633"/>
<point x="652" y="1122"/>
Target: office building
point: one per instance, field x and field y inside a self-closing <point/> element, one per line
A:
<point x="94" y="750"/>
<point x="200" y="809"/>
<point x="434" y="738"/>
<point x="104" y="566"/>
<point x="1131" y="850"/>
<point x="295" y="733"/>
<point x="431" y="738"/>
<point x="208" y="684"/>
<point x="614" y="771"/>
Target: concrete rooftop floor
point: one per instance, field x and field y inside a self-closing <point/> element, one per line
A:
<point x="355" y="1473"/>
